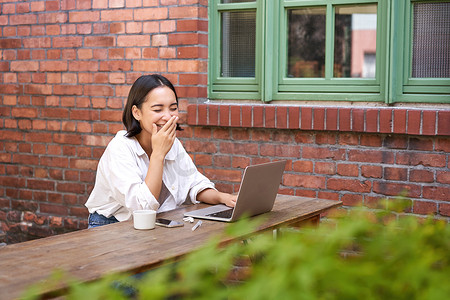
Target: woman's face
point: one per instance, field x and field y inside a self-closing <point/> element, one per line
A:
<point x="159" y="106"/>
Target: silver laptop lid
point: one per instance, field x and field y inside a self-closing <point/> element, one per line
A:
<point x="259" y="188"/>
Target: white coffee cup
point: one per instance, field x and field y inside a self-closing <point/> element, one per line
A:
<point x="144" y="219"/>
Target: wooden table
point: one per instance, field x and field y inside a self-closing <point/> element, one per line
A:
<point x="92" y="253"/>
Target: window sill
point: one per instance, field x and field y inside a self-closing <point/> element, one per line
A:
<point x="412" y="121"/>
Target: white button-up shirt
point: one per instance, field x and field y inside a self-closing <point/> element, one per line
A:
<point x="120" y="188"/>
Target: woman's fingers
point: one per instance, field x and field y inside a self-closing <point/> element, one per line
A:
<point x="170" y="124"/>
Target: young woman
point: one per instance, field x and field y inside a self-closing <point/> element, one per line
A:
<point x="146" y="167"/>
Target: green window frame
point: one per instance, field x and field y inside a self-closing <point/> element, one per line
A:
<point x="392" y="82"/>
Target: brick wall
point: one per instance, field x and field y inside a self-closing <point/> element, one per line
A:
<point x="66" y="70"/>
<point x="356" y="155"/>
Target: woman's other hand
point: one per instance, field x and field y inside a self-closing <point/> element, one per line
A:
<point x="212" y="196"/>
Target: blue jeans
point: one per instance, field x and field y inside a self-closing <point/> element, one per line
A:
<point x="96" y="220"/>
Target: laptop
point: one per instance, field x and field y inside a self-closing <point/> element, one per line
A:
<point x="257" y="193"/>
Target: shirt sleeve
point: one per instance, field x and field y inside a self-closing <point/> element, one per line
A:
<point x="197" y="181"/>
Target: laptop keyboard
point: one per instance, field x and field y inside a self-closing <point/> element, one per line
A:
<point x="222" y="214"/>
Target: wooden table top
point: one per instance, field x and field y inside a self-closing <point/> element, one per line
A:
<point x="92" y="253"/>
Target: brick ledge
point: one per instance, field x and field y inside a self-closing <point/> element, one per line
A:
<point x="433" y="122"/>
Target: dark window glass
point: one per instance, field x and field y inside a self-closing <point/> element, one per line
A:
<point x="306" y="42"/>
<point x="238" y="44"/>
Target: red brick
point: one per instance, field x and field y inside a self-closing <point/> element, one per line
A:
<point x="348" y="139"/>
<point x="444" y="209"/>
<point x="54" y="209"/>
<point x="108" y="41"/>
<point x="19" y="112"/>
<point x="223" y="175"/>
<point x="269" y="116"/>
<point x="344" y="119"/>
<point x="374" y="202"/>
<point x="396" y="189"/>
<point x="222" y="161"/>
<point x="305" y="193"/>
<point x="279" y="150"/>
<point x="303" y="166"/>
<point x="176" y="39"/>
<point x="27" y="19"/>
<point x="240" y="134"/>
<point x="221" y="133"/>
<point x="331" y="119"/>
<point x="421" y="144"/>
<point x="323" y="153"/>
<point x="352" y="199"/>
<point x="371" y="140"/>
<point x="235" y="116"/>
<point x="213" y="115"/>
<point x="318" y="118"/>
<point x="328" y="195"/>
<point x="325" y="168"/>
<point x="246" y="115"/>
<point x="374" y="156"/>
<point x="258" y="116"/>
<point x="415" y="159"/>
<point x="351" y="185"/>
<point x="414" y="121"/>
<point x="398" y="174"/>
<point x="240" y="162"/>
<point x="201" y="147"/>
<point x="51" y="5"/>
<point x="396" y="142"/>
<point x="192" y="25"/>
<point x="442" y="144"/>
<point x="239" y="148"/>
<point x="429" y="122"/>
<point x="24" y="66"/>
<point x="192" y="52"/>
<point x="421" y="176"/>
<point x="399" y="121"/>
<point x="424" y="208"/>
<point x="348" y="170"/>
<point x="202" y="114"/>
<point x="224" y="115"/>
<point x="443" y="177"/>
<point x="326" y="138"/>
<point x="281" y="117"/>
<point x="306" y="181"/>
<point x="358" y="122"/>
<point x="437" y="193"/>
<point x="294" y="117"/>
<point x="385" y="120"/>
<point x="203" y="160"/>
<point x="443" y="122"/>
<point x="306" y="118"/>
<point x="10" y="43"/>
<point x="85" y="16"/>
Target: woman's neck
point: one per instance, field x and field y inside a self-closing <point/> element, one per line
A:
<point x="145" y="142"/>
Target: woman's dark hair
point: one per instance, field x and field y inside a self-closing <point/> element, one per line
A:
<point x="139" y="90"/>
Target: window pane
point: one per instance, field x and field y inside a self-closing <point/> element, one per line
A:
<point x="238" y="44"/>
<point x="355" y="41"/>
<point x="431" y="40"/>
<point x="306" y="42"/>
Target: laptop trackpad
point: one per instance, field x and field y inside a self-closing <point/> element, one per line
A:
<point x="208" y="210"/>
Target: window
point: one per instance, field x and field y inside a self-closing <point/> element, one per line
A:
<point x="348" y="50"/>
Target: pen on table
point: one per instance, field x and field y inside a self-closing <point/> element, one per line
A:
<point x="199" y="223"/>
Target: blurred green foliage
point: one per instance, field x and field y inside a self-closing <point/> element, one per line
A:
<point x="361" y="254"/>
